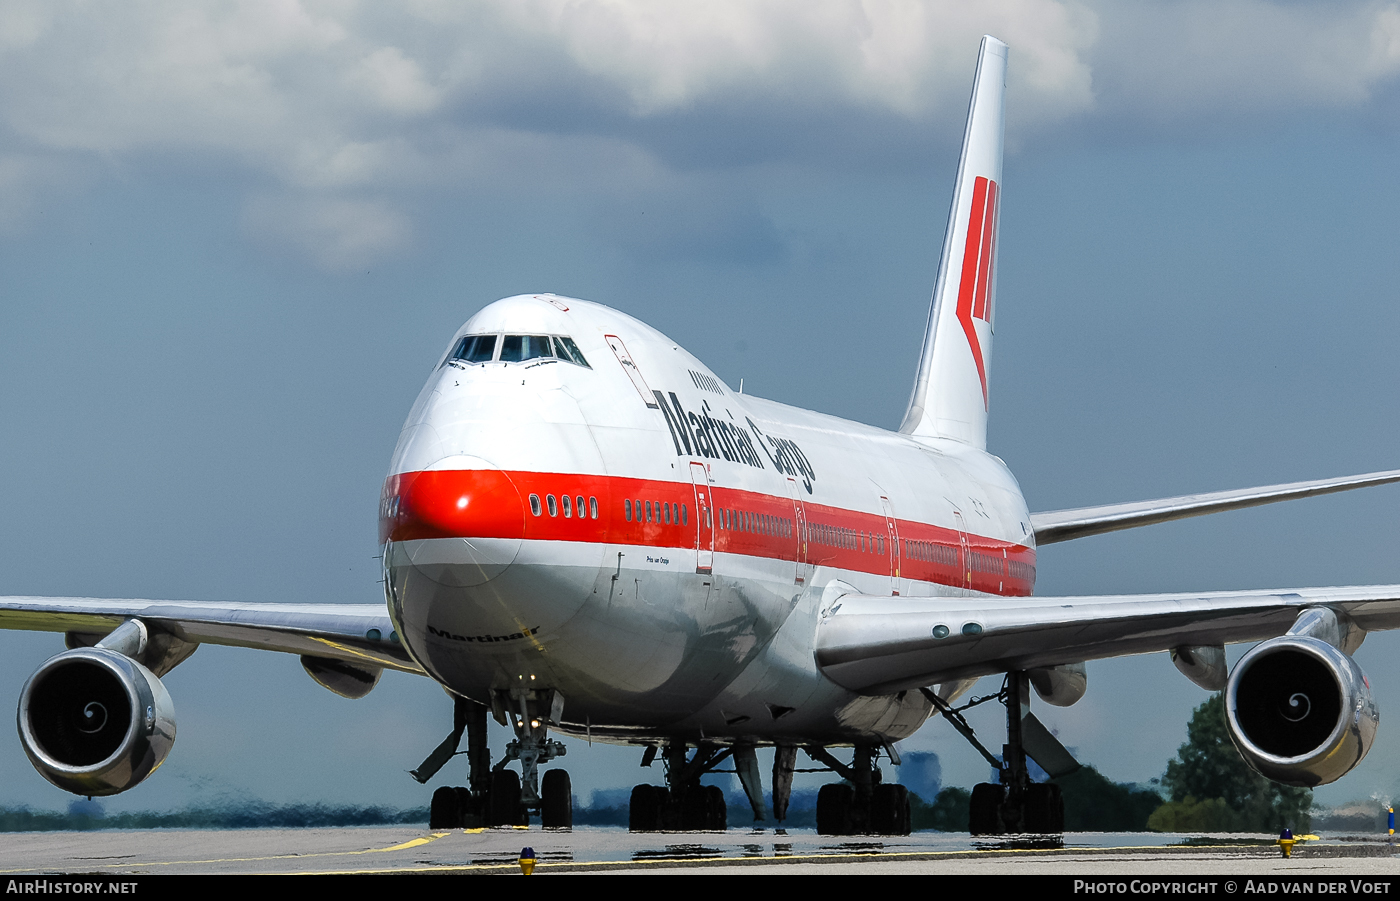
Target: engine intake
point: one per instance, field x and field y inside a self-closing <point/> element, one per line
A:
<point x="95" y="722"/>
<point x="1300" y="711"/>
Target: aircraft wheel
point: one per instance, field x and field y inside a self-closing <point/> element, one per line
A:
<point x="1045" y="809"/>
<point x="443" y="813"/>
<point x="984" y="814"/>
<point x="695" y="809"/>
<point x="834" y="809"/>
<point x="468" y="809"/>
<point x="889" y="810"/>
<point x="557" y="801"/>
<point x="717" y="809"/>
<point x="645" y="810"/>
<point x="503" y="805"/>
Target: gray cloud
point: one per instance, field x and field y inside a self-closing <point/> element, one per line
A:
<point x="328" y="100"/>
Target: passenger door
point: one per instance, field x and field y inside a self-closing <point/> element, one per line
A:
<point x="704" y="520"/>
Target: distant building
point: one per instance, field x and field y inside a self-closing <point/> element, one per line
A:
<point x="921" y="773"/>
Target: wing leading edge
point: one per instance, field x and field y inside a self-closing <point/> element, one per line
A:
<point x="354" y="633"/>
<point x="876" y="645"/>
<point x="1063" y="525"/>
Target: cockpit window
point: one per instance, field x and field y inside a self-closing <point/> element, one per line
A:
<point x="475" y="349"/>
<point x="566" y="349"/>
<point x="518" y="348"/>
<point x="515" y="349"/>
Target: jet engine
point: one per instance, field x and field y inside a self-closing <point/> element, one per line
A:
<point x="95" y="722"/>
<point x="1300" y="710"/>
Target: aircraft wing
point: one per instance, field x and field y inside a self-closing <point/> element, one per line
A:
<point x="877" y="645"/>
<point x="1062" y="525"/>
<point x="355" y="633"/>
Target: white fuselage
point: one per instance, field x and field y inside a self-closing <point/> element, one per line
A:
<point x="656" y="548"/>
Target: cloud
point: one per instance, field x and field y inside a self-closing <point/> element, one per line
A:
<point x="1181" y="61"/>
<point x="338" y="234"/>
<point x="337" y="98"/>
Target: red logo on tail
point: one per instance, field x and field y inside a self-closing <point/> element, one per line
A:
<point x="977" y="269"/>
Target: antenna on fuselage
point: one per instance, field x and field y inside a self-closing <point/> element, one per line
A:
<point x="950" y="397"/>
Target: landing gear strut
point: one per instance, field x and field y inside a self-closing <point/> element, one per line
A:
<point x="683" y="804"/>
<point x="1014" y="804"/>
<point x="496" y="796"/>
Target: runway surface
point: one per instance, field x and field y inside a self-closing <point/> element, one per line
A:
<point x="410" y="850"/>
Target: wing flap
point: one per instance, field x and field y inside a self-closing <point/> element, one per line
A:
<point x="337" y="631"/>
<point x="876" y="645"/>
<point x="1063" y="525"/>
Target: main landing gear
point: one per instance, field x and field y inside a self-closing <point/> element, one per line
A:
<point x="496" y="796"/>
<point x="1014" y="804"/>
<point x="859" y="806"/>
<point x="683" y="804"/>
<point x="862" y="804"/>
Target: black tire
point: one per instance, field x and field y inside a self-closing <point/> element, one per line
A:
<point x="644" y="811"/>
<point x="695" y="809"/>
<point x="834" y="809"/>
<point x="468" y="810"/>
<point x="503" y="805"/>
<point x="984" y="811"/>
<point x="556" y="800"/>
<point x="717" y="808"/>
<point x="1045" y="809"/>
<point x="889" y="810"/>
<point x="444" y="813"/>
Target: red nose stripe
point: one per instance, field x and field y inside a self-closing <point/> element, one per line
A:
<point x="479" y="502"/>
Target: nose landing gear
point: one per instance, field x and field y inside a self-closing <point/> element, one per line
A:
<point x="496" y="796"/>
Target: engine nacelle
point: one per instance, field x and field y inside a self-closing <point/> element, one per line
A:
<point x="95" y="722"/>
<point x="1061" y="685"/>
<point x="1300" y="711"/>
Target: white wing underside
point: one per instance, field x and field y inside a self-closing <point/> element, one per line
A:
<point x="336" y="631"/>
<point x="875" y="645"/>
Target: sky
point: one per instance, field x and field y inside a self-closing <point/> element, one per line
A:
<point x="236" y="237"/>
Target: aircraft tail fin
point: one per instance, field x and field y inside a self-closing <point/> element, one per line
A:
<point x="950" y="398"/>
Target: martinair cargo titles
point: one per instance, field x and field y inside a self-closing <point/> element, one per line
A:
<point x="585" y="530"/>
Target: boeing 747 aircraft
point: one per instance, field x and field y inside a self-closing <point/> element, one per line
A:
<point x="586" y="531"/>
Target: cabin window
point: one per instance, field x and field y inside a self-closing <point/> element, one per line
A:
<point x="568" y="507"/>
<point x="578" y="505"/>
<point x="535" y="504"/>
<point x="685" y="516"/>
<point x="649" y="519"/>
<point x="553" y="509"/>
<point x="666" y="511"/>
<point x="626" y="509"/>
<point x="592" y="508"/>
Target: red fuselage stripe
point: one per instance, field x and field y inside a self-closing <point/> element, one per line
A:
<point x="494" y="504"/>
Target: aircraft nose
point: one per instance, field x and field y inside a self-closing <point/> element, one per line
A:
<point x="458" y="497"/>
<point x="459" y="523"/>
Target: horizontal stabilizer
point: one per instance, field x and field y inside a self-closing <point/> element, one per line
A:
<point x="1062" y="525"/>
<point x="878" y="644"/>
